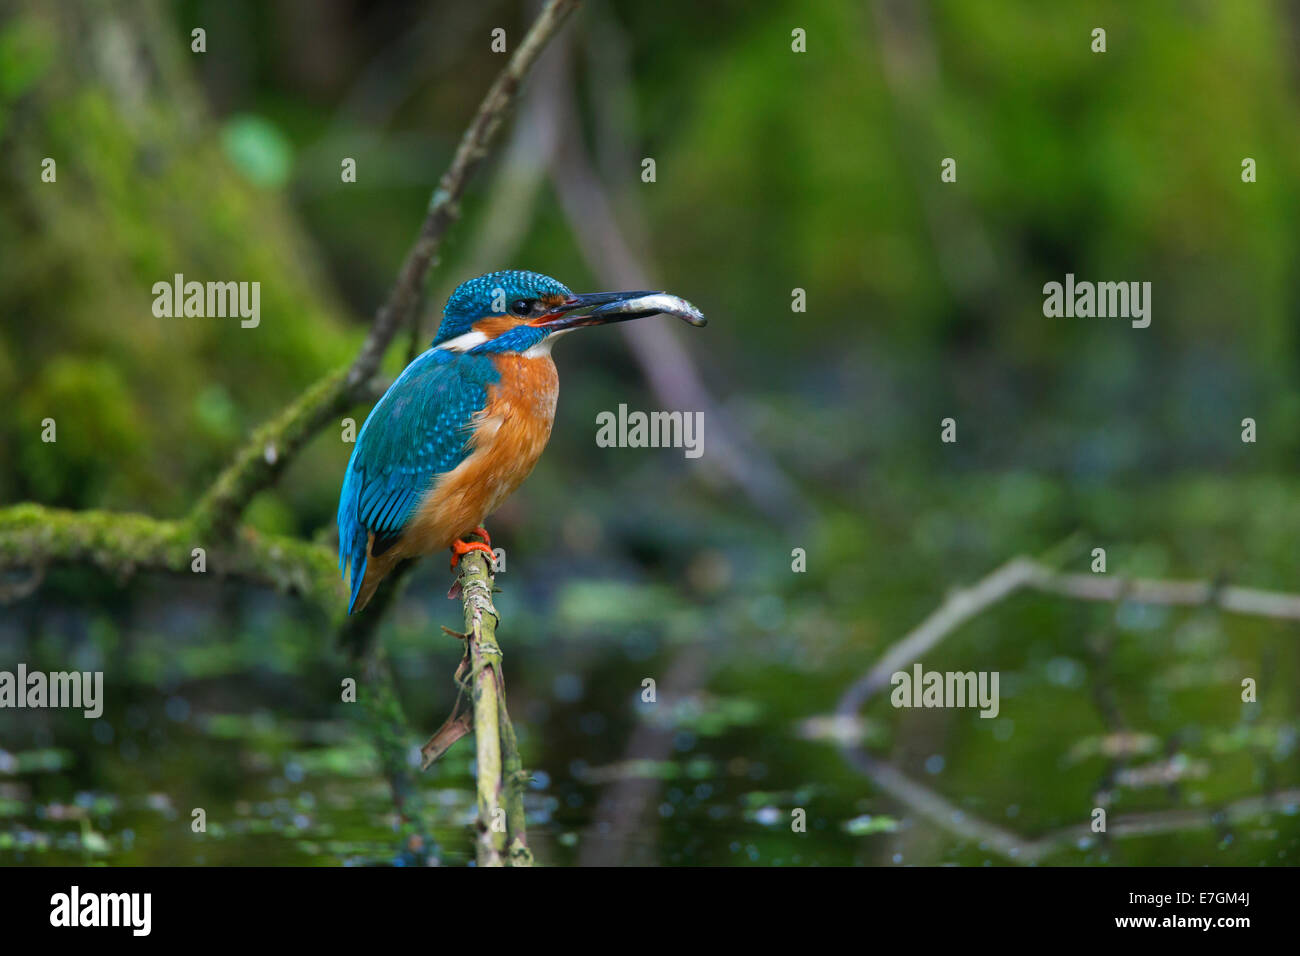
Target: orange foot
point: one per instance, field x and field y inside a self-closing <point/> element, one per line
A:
<point x="482" y="533"/>
<point x="459" y="548"/>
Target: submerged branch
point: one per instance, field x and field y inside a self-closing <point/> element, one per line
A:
<point x="963" y="604"/>
<point x="966" y="603"/>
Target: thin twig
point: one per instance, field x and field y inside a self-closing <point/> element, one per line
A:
<point x="1237" y="600"/>
<point x="960" y="607"/>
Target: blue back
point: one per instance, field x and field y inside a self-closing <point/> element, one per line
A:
<point x="418" y="430"/>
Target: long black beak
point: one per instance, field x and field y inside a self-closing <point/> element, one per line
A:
<point x="603" y="308"/>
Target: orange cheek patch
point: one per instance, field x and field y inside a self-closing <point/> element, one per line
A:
<point x="495" y="325"/>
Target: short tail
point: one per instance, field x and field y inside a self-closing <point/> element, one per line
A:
<point x="356" y="549"/>
<point x="361" y="594"/>
<point x="373" y="570"/>
<point x="370" y="557"/>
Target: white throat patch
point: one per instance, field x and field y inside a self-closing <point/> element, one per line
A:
<point x="544" y="346"/>
<point x="471" y="340"/>
<point x="463" y="343"/>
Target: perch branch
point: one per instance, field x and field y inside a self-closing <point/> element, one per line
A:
<point x="485" y="666"/>
<point x="500" y="774"/>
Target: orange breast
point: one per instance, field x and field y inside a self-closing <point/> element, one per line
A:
<point x="511" y="431"/>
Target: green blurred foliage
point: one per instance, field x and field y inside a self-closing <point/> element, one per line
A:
<point x="94" y="397"/>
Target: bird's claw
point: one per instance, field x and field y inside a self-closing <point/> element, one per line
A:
<point x="460" y="548"/>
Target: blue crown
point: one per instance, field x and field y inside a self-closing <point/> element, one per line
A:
<point x="475" y="299"/>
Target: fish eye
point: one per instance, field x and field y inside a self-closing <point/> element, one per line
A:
<point x="521" y="307"/>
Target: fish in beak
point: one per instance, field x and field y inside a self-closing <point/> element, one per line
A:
<point x="603" y="308"/>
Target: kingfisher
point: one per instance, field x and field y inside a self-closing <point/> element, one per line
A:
<point x="464" y="424"/>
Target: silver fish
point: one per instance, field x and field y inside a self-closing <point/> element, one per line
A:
<point x="657" y="302"/>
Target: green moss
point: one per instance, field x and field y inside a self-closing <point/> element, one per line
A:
<point x="94" y="419"/>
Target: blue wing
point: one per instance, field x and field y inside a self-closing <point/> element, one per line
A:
<point x="418" y="430"/>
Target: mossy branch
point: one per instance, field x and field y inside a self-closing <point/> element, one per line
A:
<point x="33" y="536"/>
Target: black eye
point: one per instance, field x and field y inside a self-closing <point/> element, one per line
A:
<point x="521" y="307"/>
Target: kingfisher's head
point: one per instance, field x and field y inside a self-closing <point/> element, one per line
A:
<point x="515" y="311"/>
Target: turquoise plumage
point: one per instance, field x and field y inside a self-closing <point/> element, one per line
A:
<point x="419" y="429"/>
<point x="466" y="421"/>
